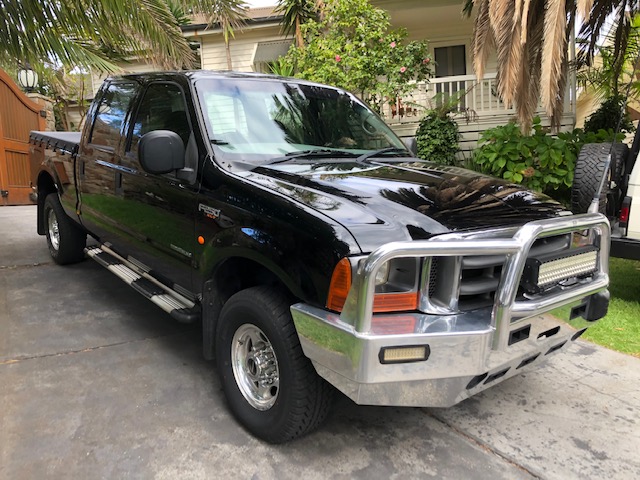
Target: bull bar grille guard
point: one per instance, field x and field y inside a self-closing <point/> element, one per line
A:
<point x="507" y="311"/>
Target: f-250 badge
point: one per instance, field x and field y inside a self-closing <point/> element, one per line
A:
<point x="208" y="211"/>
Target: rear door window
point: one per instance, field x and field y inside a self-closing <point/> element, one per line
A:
<point x="111" y="113"/>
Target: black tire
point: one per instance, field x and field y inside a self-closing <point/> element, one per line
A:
<point x="301" y="400"/>
<point x="619" y="156"/>
<point x="66" y="240"/>
<point x="588" y="172"/>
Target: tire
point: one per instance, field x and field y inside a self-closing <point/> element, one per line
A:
<point x="619" y="156"/>
<point x="256" y="337"/>
<point x="66" y="240"/>
<point x="588" y="172"/>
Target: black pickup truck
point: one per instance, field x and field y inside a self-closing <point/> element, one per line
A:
<point x="316" y="251"/>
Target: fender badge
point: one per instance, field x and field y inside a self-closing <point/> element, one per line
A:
<point x="208" y="211"/>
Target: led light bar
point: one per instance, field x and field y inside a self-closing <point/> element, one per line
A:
<point x="412" y="353"/>
<point x="546" y="270"/>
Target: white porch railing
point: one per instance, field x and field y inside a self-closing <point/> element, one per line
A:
<point x="481" y="98"/>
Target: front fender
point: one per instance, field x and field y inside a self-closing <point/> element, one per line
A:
<point x="303" y="265"/>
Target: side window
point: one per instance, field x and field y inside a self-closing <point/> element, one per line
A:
<point x="163" y="107"/>
<point x="112" y="110"/>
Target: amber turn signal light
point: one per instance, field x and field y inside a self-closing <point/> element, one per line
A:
<point x="340" y="285"/>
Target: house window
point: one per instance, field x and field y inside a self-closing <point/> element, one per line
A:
<point x="451" y="61"/>
<point x="267" y="53"/>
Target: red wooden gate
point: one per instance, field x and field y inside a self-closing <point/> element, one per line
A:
<point x="18" y="116"/>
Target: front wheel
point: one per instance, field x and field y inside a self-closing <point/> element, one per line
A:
<point x="65" y="239"/>
<point x="271" y="387"/>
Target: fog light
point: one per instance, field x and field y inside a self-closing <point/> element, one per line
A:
<point x="413" y="353"/>
<point x="545" y="270"/>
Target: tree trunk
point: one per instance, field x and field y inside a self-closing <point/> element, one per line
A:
<point x="227" y="48"/>
<point x="299" y="39"/>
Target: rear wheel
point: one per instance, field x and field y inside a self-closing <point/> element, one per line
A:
<point x="271" y="387"/>
<point x="65" y="239"/>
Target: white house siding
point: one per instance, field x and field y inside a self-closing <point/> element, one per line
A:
<point x="243" y="48"/>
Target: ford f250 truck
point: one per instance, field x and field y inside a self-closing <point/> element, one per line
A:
<point x="316" y="251"/>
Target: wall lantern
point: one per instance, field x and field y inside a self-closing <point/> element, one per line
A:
<point x="27" y="78"/>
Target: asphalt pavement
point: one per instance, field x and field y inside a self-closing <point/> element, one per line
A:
<point x="96" y="382"/>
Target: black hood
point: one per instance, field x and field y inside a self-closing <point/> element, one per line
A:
<point x="380" y="203"/>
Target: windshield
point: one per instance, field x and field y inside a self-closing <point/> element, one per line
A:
<point x="253" y="120"/>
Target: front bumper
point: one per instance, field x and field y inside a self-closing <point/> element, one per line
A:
<point x="469" y="351"/>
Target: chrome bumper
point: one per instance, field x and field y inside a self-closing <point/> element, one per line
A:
<point x="469" y="351"/>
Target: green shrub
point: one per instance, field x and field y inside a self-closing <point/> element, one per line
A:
<point x="540" y="161"/>
<point x="437" y="138"/>
<point x="607" y="116"/>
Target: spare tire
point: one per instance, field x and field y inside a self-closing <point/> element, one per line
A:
<point x="619" y="155"/>
<point x="588" y="172"/>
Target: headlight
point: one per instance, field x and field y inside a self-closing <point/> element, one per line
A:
<point x="383" y="274"/>
<point x="396" y="285"/>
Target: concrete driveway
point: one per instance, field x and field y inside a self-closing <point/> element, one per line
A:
<point x="95" y="382"/>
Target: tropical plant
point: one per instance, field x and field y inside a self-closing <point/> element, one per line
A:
<point x="294" y="14"/>
<point x="611" y="116"/>
<point x="82" y="32"/>
<point x="353" y="47"/>
<point x="85" y="33"/>
<point x="538" y="160"/>
<point x="438" y="135"/>
<point x="531" y="39"/>
<point x="437" y="138"/>
<point x="282" y="68"/>
<point x="228" y="15"/>
<point x="610" y="76"/>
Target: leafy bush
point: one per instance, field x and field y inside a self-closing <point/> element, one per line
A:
<point x="607" y="116"/>
<point x="354" y="47"/>
<point x="437" y="138"/>
<point x="539" y="161"/>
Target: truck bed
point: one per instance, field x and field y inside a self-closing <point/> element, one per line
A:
<point x="67" y="142"/>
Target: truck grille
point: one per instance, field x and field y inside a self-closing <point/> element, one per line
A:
<point x="476" y="278"/>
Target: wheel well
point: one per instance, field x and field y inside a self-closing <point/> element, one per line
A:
<point x="45" y="187"/>
<point x="238" y="274"/>
<point x="232" y="276"/>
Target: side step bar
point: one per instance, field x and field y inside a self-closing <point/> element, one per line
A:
<point x="178" y="306"/>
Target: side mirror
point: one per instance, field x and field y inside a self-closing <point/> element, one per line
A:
<point x="161" y="151"/>
<point x="410" y="143"/>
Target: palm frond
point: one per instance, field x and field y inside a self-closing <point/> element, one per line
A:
<point x="80" y="32"/>
<point x="553" y="53"/>
<point x="483" y="41"/>
<point x="583" y="7"/>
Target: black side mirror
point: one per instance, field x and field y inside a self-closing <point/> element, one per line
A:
<point x="161" y="151"/>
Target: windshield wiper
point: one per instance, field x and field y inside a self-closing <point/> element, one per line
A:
<point x="376" y="153"/>
<point x="318" y="152"/>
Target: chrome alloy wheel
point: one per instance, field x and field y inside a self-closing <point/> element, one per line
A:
<point x="255" y="367"/>
<point x="54" y="230"/>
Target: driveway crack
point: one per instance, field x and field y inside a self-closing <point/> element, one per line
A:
<point x="24" y="267"/>
<point x="484" y="446"/>
<point x="23" y="358"/>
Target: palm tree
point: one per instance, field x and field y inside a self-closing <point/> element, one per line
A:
<point x="295" y="13"/>
<point x="85" y="32"/>
<point x="531" y="39"/>
<point x="228" y="15"/>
